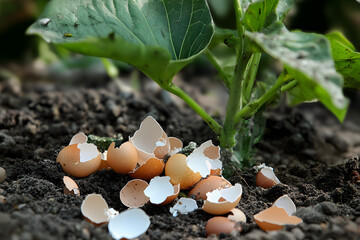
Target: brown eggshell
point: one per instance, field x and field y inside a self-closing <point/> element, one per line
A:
<point x="207" y="185"/>
<point x="215" y="172"/>
<point x="175" y="145"/>
<point x="132" y="194"/>
<point x="171" y="198"/>
<point x="237" y="215"/>
<point x="95" y="209"/>
<point x="2" y="174"/>
<point x="122" y="159"/>
<point x="70" y="186"/>
<point x="218" y="225"/>
<point x="162" y="151"/>
<point x="69" y="159"/>
<point x="179" y="172"/>
<point x="262" y="181"/>
<point x="153" y="167"/>
<point x="275" y="218"/>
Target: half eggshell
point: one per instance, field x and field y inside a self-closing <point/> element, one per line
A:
<point x="132" y="194"/>
<point x="151" y="168"/>
<point x="208" y="185"/>
<point x="222" y="201"/>
<point x="95" y="209"/>
<point x="218" y="225"/>
<point x="161" y="191"/>
<point x="70" y="186"/>
<point x="237" y="215"/>
<point x="122" y="159"/>
<point x="184" y="206"/>
<point x="266" y="177"/>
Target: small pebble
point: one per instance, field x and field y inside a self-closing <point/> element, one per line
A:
<point x="2" y="174"/>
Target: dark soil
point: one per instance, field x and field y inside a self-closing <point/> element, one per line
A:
<point x="37" y="121"/>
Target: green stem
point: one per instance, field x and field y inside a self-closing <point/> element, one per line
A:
<point x="221" y="71"/>
<point x="238" y="13"/>
<point x="251" y="108"/>
<point x="289" y="86"/>
<point x="196" y="107"/>
<point x="250" y="75"/>
<point x="110" y="68"/>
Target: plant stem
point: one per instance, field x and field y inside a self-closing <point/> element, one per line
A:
<point x="214" y="62"/>
<point x="110" y="68"/>
<point x="289" y="86"/>
<point x="196" y="107"/>
<point x="238" y="13"/>
<point x="250" y="75"/>
<point x="251" y="108"/>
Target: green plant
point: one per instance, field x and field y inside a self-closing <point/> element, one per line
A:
<point x="160" y="37"/>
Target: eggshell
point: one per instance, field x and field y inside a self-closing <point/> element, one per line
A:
<point x="184" y="206"/>
<point x="122" y="159"/>
<point x="129" y="224"/>
<point x="132" y="194"/>
<point x="70" y="186"/>
<point x="266" y="178"/>
<point x="104" y="164"/>
<point x="2" y="174"/>
<point x="78" y="138"/>
<point x="150" y="140"/>
<point x="175" y="145"/>
<point x="151" y="168"/>
<point x="79" y="160"/>
<point x="237" y="215"/>
<point x="179" y="172"/>
<point x="161" y="191"/>
<point x="222" y="201"/>
<point x="218" y="225"/>
<point x="286" y="203"/>
<point x="274" y="218"/>
<point x="95" y="209"/>
<point x="208" y="185"/>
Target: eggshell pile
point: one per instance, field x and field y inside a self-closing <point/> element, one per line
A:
<point x="277" y="216"/>
<point x="70" y="186"/>
<point x="266" y="177"/>
<point x="132" y="194"/>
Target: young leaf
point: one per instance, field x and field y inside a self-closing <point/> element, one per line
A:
<point x="307" y="57"/>
<point x="283" y="8"/>
<point x="347" y="60"/>
<point x="157" y="36"/>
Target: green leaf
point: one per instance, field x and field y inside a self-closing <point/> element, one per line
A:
<point x="283" y="8"/>
<point x="157" y="36"/>
<point x="347" y="60"/>
<point x="307" y="58"/>
<point x="260" y="14"/>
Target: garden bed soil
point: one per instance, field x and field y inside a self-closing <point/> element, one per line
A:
<point x="317" y="166"/>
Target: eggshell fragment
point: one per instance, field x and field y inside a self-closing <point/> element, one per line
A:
<point x="161" y="191"/>
<point x="237" y="215"/>
<point x="179" y="172"/>
<point x="78" y="138"/>
<point x="175" y="145"/>
<point x="184" y="206"/>
<point x="222" y="201"/>
<point x="150" y="140"/>
<point x="79" y="160"/>
<point x="205" y="158"/>
<point x="218" y="225"/>
<point x="70" y="186"/>
<point x="286" y="203"/>
<point x="208" y="185"/>
<point x="266" y="177"/>
<point x="2" y="174"/>
<point x="95" y="209"/>
<point x="129" y="224"/>
<point x="132" y="194"/>
<point x="151" y="168"/>
<point x="122" y="159"/>
<point x="104" y="164"/>
<point x="275" y="218"/>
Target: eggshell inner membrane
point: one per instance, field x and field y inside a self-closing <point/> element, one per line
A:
<point x="179" y="172"/>
<point x="95" y="208"/>
<point x="87" y="151"/>
<point x="274" y="218"/>
<point x="151" y="168"/>
<point x="286" y="203"/>
<point x="171" y="198"/>
<point x="149" y="137"/>
<point x="129" y="224"/>
<point x="122" y="159"/>
<point x="78" y="138"/>
<point x="159" y="189"/>
<point x="132" y="194"/>
<point x="208" y="185"/>
<point x="175" y="145"/>
<point x="218" y="225"/>
<point x="184" y="206"/>
<point x="70" y="186"/>
<point x="237" y="215"/>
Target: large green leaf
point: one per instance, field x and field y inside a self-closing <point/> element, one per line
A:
<point x="307" y="57"/>
<point x="347" y="60"/>
<point x="157" y="36"/>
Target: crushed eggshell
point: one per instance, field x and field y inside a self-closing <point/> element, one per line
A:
<point x="150" y="140"/>
<point x="151" y="168"/>
<point x="122" y="159"/>
<point x="208" y="184"/>
<point x="222" y="201"/>
<point x="184" y="206"/>
<point x="218" y="225"/>
<point x="175" y="145"/>
<point x="237" y="215"/>
<point x="205" y="158"/>
<point x="70" y="186"/>
<point x="179" y="172"/>
<point x="132" y="194"/>
<point x="95" y="209"/>
<point x="129" y="224"/>
<point x="161" y="191"/>
<point x="79" y="159"/>
<point x="265" y="177"/>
